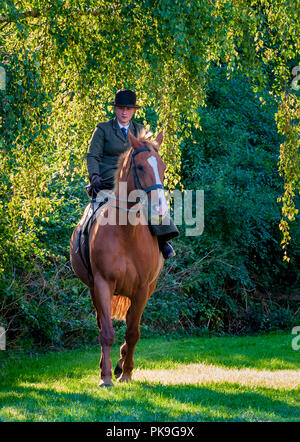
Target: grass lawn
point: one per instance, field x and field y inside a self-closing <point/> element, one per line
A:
<point x="254" y="378"/>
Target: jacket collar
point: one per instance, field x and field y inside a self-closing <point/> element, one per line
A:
<point x="118" y="131"/>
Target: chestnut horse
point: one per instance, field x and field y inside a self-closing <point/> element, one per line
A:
<point x="125" y="258"/>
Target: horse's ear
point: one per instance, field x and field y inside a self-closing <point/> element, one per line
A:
<point x="159" y="138"/>
<point x="134" y="142"/>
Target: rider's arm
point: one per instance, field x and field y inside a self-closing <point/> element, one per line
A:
<point x="95" y="152"/>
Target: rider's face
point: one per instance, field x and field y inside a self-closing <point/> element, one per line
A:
<point x="124" y="114"/>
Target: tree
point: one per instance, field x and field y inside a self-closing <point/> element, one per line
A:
<point x="64" y="60"/>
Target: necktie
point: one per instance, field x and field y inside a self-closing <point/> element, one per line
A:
<point x="124" y="131"/>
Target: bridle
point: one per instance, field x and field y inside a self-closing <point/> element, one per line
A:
<point x="135" y="175"/>
<point x="136" y="182"/>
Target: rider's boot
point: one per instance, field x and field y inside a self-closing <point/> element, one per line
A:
<point x="166" y="249"/>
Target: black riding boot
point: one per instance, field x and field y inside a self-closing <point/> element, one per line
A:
<point x="166" y="249"/>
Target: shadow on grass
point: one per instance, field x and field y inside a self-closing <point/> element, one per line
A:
<point x="144" y="402"/>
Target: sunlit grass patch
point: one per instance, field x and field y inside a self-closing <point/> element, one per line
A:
<point x="203" y="374"/>
<point x="12" y="414"/>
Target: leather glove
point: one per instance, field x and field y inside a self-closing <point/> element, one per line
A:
<point x="96" y="181"/>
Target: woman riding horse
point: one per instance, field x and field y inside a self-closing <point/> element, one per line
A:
<point x="110" y="139"/>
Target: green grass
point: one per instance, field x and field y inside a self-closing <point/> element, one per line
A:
<point x="62" y="386"/>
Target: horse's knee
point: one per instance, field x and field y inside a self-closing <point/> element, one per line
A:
<point x="107" y="337"/>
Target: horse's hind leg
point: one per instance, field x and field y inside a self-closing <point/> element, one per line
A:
<point x="118" y="369"/>
<point x="132" y="336"/>
<point x="102" y="301"/>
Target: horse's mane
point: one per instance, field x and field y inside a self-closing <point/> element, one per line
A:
<point x="143" y="137"/>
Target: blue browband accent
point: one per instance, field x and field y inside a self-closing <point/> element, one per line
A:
<point x="135" y="176"/>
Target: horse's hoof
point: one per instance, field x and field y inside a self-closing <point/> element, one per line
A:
<point x="105" y="384"/>
<point x="117" y="371"/>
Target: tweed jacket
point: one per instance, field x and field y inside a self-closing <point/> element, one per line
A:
<point x="106" y="145"/>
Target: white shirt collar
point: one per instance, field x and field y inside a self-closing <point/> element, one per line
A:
<point x="120" y="125"/>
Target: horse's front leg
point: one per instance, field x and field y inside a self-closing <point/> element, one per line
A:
<point x="92" y="291"/>
<point x="132" y="335"/>
<point x="102" y="301"/>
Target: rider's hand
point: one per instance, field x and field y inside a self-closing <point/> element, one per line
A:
<point x="96" y="181"/>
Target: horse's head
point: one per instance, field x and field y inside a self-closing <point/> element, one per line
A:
<point x="145" y="171"/>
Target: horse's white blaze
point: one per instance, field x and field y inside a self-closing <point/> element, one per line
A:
<point x="163" y="206"/>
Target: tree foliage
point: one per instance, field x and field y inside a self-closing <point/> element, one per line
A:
<point x="64" y="60"/>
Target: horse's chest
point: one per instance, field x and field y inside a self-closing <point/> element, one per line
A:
<point x="137" y="273"/>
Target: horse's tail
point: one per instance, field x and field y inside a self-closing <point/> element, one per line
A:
<point x="119" y="307"/>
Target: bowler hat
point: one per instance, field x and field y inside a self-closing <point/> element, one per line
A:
<point x="125" y="98"/>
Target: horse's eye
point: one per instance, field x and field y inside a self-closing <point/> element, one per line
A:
<point x="140" y="167"/>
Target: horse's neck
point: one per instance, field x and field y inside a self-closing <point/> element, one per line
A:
<point x="126" y="206"/>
